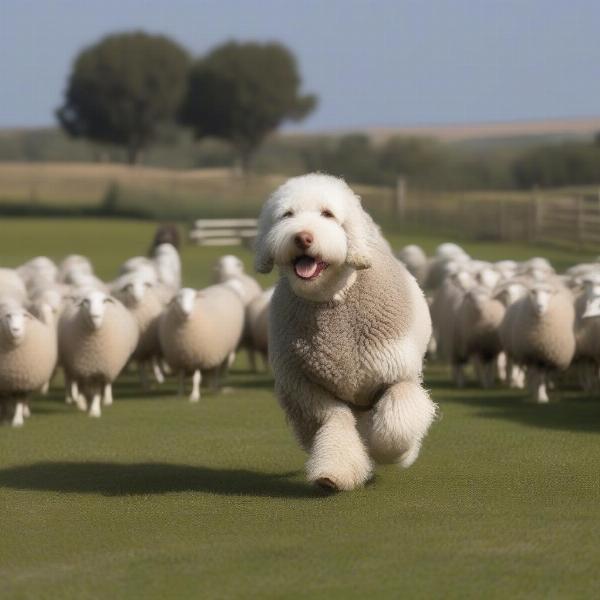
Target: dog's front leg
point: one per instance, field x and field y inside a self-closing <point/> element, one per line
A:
<point x="395" y="427"/>
<point x="326" y="428"/>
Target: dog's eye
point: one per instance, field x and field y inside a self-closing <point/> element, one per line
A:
<point x="327" y="214"/>
<point x="287" y="214"/>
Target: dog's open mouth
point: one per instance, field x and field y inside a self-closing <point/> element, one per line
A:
<point x="308" y="267"/>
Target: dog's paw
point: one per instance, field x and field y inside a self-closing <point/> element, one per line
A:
<point x="341" y="469"/>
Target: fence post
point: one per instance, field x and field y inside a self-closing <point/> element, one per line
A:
<point x="580" y="222"/>
<point x="537" y="215"/>
<point x="400" y="198"/>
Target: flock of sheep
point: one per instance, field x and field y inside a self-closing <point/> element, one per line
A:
<point x="518" y="322"/>
<point x="64" y="316"/>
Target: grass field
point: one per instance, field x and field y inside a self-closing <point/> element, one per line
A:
<point x="163" y="499"/>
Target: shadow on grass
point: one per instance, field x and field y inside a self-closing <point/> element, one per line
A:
<point x="567" y="411"/>
<point x="116" y="479"/>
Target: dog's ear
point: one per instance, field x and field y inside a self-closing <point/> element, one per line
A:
<point x="263" y="256"/>
<point x="358" y="227"/>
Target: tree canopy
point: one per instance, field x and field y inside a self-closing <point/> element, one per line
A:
<point x="123" y="89"/>
<point x="241" y="92"/>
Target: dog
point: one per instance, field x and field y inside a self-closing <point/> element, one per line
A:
<point x="348" y="331"/>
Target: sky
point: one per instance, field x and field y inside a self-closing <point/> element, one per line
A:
<point x="372" y="63"/>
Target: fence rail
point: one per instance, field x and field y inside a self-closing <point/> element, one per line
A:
<point x="564" y="218"/>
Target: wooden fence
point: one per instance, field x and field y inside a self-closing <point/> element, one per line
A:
<point x="551" y="217"/>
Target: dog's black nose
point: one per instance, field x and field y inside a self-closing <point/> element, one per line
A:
<point x="303" y="240"/>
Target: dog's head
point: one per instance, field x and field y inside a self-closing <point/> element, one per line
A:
<point x="314" y="229"/>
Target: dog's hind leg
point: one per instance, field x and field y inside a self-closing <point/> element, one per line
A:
<point x="326" y="427"/>
<point x="395" y="427"/>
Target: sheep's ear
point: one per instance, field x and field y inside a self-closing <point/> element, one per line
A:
<point x="358" y="231"/>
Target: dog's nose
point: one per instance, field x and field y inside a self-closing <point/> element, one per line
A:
<point x="303" y="240"/>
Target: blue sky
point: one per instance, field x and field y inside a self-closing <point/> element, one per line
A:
<point x="371" y="63"/>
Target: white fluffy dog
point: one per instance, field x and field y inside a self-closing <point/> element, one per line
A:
<point x="348" y="331"/>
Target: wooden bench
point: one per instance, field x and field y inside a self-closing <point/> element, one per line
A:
<point x="223" y="232"/>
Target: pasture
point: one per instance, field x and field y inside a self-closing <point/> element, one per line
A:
<point x="161" y="498"/>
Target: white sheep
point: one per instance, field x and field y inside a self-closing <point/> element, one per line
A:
<point x="257" y="317"/>
<point x="97" y="336"/>
<point x="199" y="331"/>
<point x="228" y="269"/>
<point x="478" y="321"/>
<point x="539" y="334"/>
<point x="138" y="295"/>
<point x="12" y="286"/>
<point x="28" y="351"/>
<point x="413" y="257"/>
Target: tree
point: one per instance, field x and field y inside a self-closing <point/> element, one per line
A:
<point x="124" y="89"/>
<point x="241" y="92"/>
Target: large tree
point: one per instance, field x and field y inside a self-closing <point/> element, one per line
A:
<point x="123" y="89"/>
<point x="241" y="92"/>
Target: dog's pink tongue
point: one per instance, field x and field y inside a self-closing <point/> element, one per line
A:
<point x="305" y="267"/>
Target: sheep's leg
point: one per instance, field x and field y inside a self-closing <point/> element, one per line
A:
<point x="18" y="420"/>
<point x="158" y="374"/>
<point x="45" y="389"/>
<point x="69" y="399"/>
<point x="230" y="359"/>
<point x="95" y="408"/>
<point x="181" y="391"/>
<point x="395" y="427"/>
<point x="165" y="368"/>
<point x="107" y="396"/>
<point x="432" y="347"/>
<point x="540" y="394"/>
<point x="26" y="409"/>
<point x="502" y="367"/>
<point x="196" y="380"/>
<point x="326" y="427"/>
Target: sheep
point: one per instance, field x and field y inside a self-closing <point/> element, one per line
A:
<point x="167" y="233"/>
<point x="139" y="296"/>
<point x="39" y="272"/>
<point x="230" y="268"/>
<point x="168" y="266"/>
<point x="28" y="352"/>
<point x="508" y="293"/>
<point x="257" y="317"/>
<point x="12" y="286"/>
<point x="414" y="259"/>
<point x="199" y="331"/>
<point x="539" y="334"/>
<point x="587" y="332"/>
<point x="444" y="308"/>
<point x="97" y="336"/>
<point x="478" y="320"/>
<point x="348" y="330"/>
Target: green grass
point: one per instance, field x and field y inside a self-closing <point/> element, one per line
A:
<point x="163" y="499"/>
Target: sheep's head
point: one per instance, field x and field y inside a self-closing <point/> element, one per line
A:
<point x="131" y="290"/>
<point x="13" y="320"/>
<point x="541" y="297"/>
<point x="510" y="293"/>
<point x="315" y="230"/>
<point x="228" y="266"/>
<point x="185" y="300"/>
<point x="93" y="307"/>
